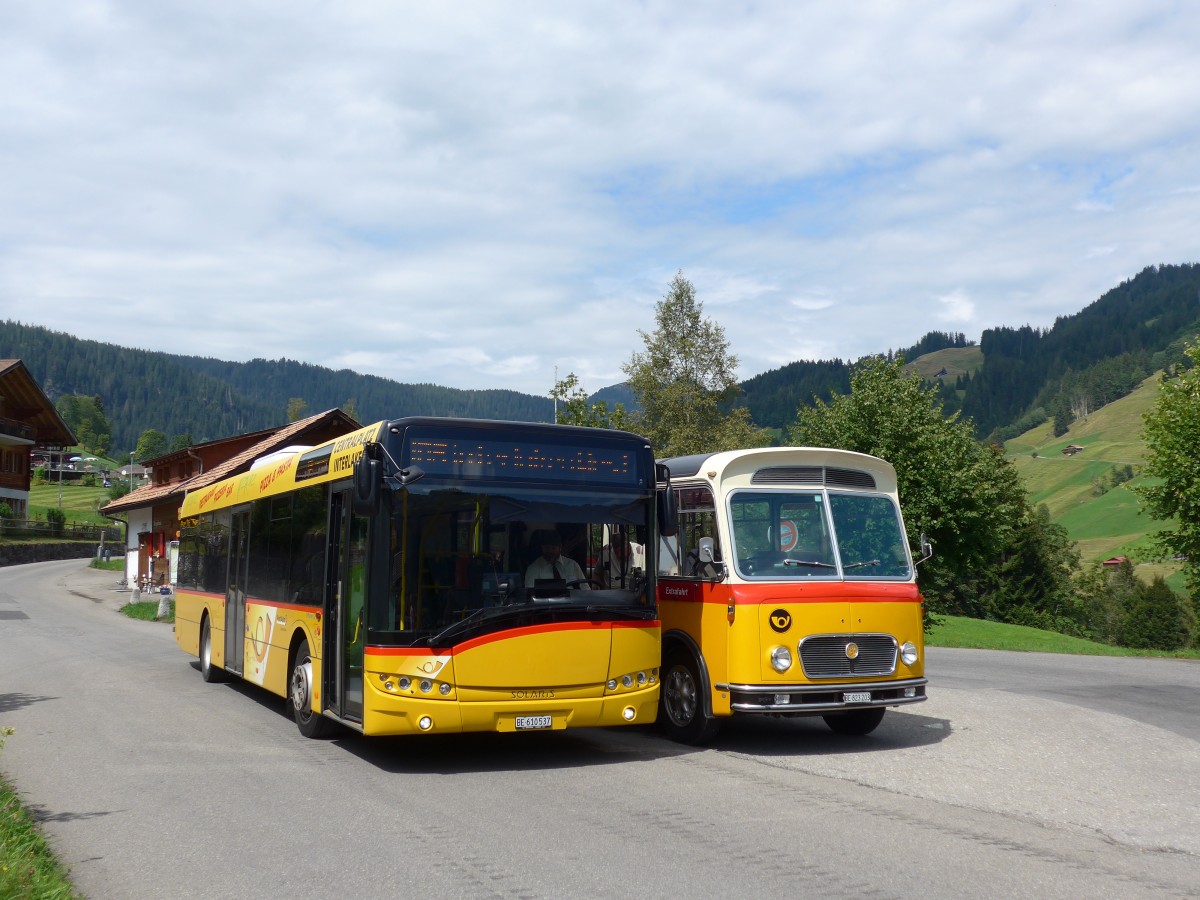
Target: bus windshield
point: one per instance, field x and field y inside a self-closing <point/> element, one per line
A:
<point x="470" y="556"/>
<point x="817" y="534"/>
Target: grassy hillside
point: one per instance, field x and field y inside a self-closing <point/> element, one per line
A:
<point x="955" y="360"/>
<point x="78" y="502"/>
<point x="1104" y="523"/>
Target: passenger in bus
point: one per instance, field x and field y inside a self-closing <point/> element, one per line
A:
<point x="622" y="562"/>
<point x="551" y="564"/>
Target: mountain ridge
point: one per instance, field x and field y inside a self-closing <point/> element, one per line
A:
<point x="1013" y="379"/>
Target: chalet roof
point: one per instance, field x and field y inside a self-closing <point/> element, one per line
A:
<point x="22" y="400"/>
<point x="173" y="455"/>
<point x="153" y="494"/>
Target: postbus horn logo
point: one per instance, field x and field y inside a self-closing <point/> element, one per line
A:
<point x="781" y="620"/>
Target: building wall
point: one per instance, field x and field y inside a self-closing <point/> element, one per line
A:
<point x="140" y="523"/>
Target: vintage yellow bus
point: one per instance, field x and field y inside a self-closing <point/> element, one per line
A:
<point x="399" y="580"/>
<point x="788" y="590"/>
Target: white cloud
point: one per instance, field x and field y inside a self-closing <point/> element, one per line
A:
<point x="957" y="308"/>
<point x="474" y="195"/>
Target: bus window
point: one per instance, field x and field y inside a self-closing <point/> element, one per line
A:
<point x="779" y="535"/>
<point x="869" y="536"/>
<point x="697" y="519"/>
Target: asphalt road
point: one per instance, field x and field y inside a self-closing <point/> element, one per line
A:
<point x="1023" y="775"/>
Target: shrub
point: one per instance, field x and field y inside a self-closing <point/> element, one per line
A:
<point x="1155" y="619"/>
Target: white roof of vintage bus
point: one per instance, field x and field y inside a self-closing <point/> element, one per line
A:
<point x="737" y="467"/>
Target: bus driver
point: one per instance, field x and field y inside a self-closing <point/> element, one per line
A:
<point x="552" y="565"/>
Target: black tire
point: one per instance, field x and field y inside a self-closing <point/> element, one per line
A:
<point x="682" y="705"/>
<point x="311" y="724"/>
<point x="856" y="722"/>
<point x="209" y="672"/>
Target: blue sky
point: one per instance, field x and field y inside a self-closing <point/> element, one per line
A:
<point x="478" y="194"/>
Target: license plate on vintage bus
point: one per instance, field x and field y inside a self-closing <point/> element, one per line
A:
<point x="856" y="697"/>
<point x="524" y="722"/>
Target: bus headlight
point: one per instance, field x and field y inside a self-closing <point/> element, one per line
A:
<point x="781" y="659"/>
<point x="908" y="653"/>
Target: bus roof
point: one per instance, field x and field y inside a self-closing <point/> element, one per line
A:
<point x="815" y="466"/>
<point x="335" y="459"/>
<point x="285" y="472"/>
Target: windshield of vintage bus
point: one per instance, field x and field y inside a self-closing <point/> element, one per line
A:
<point x="477" y="551"/>
<point x="817" y="534"/>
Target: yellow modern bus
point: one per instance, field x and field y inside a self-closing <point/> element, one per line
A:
<point x="788" y="590"/>
<point x="401" y="579"/>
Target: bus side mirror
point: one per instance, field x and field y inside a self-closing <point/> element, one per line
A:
<point x="926" y="549"/>
<point x="708" y="566"/>
<point x="668" y="513"/>
<point x="368" y="477"/>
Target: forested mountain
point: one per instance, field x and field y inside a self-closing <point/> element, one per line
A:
<point x="1131" y="331"/>
<point x="208" y="399"/>
<point x="773" y="397"/>
<point x="278" y="381"/>
<point x="138" y="389"/>
<point x="1027" y="375"/>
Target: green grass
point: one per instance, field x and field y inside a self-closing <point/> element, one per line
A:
<point x="28" y="870"/>
<point x="79" y="503"/>
<point x="147" y="610"/>
<point x="957" y="631"/>
<point x="1103" y="525"/>
<point x="955" y="360"/>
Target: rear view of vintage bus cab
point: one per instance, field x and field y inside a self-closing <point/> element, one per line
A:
<point x="789" y="589"/>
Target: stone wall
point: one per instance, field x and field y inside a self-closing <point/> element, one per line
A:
<point x="15" y="554"/>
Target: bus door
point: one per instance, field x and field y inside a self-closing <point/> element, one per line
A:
<point x="235" y="592"/>
<point x="347" y="595"/>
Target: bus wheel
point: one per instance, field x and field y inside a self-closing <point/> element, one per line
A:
<point x="681" y="714"/>
<point x="857" y="722"/>
<point x="208" y="671"/>
<point x="311" y="724"/>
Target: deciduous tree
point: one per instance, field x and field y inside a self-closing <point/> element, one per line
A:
<point x="151" y="443"/>
<point x="572" y="407"/>
<point x="685" y="381"/>
<point x="963" y="494"/>
<point x="1172" y="435"/>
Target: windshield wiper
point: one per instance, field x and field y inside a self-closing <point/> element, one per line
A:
<point x="814" y="563"/>
<point x="461" y="624"/>
<point x="858" y="565"/>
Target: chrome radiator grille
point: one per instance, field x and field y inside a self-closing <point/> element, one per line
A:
<point x="825" y="655"/>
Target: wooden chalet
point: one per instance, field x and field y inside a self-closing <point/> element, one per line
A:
<point x="151" y="512"/>
<point x="29" y="426"/>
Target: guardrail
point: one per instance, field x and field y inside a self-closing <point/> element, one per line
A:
<point x="70" y="531"/>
